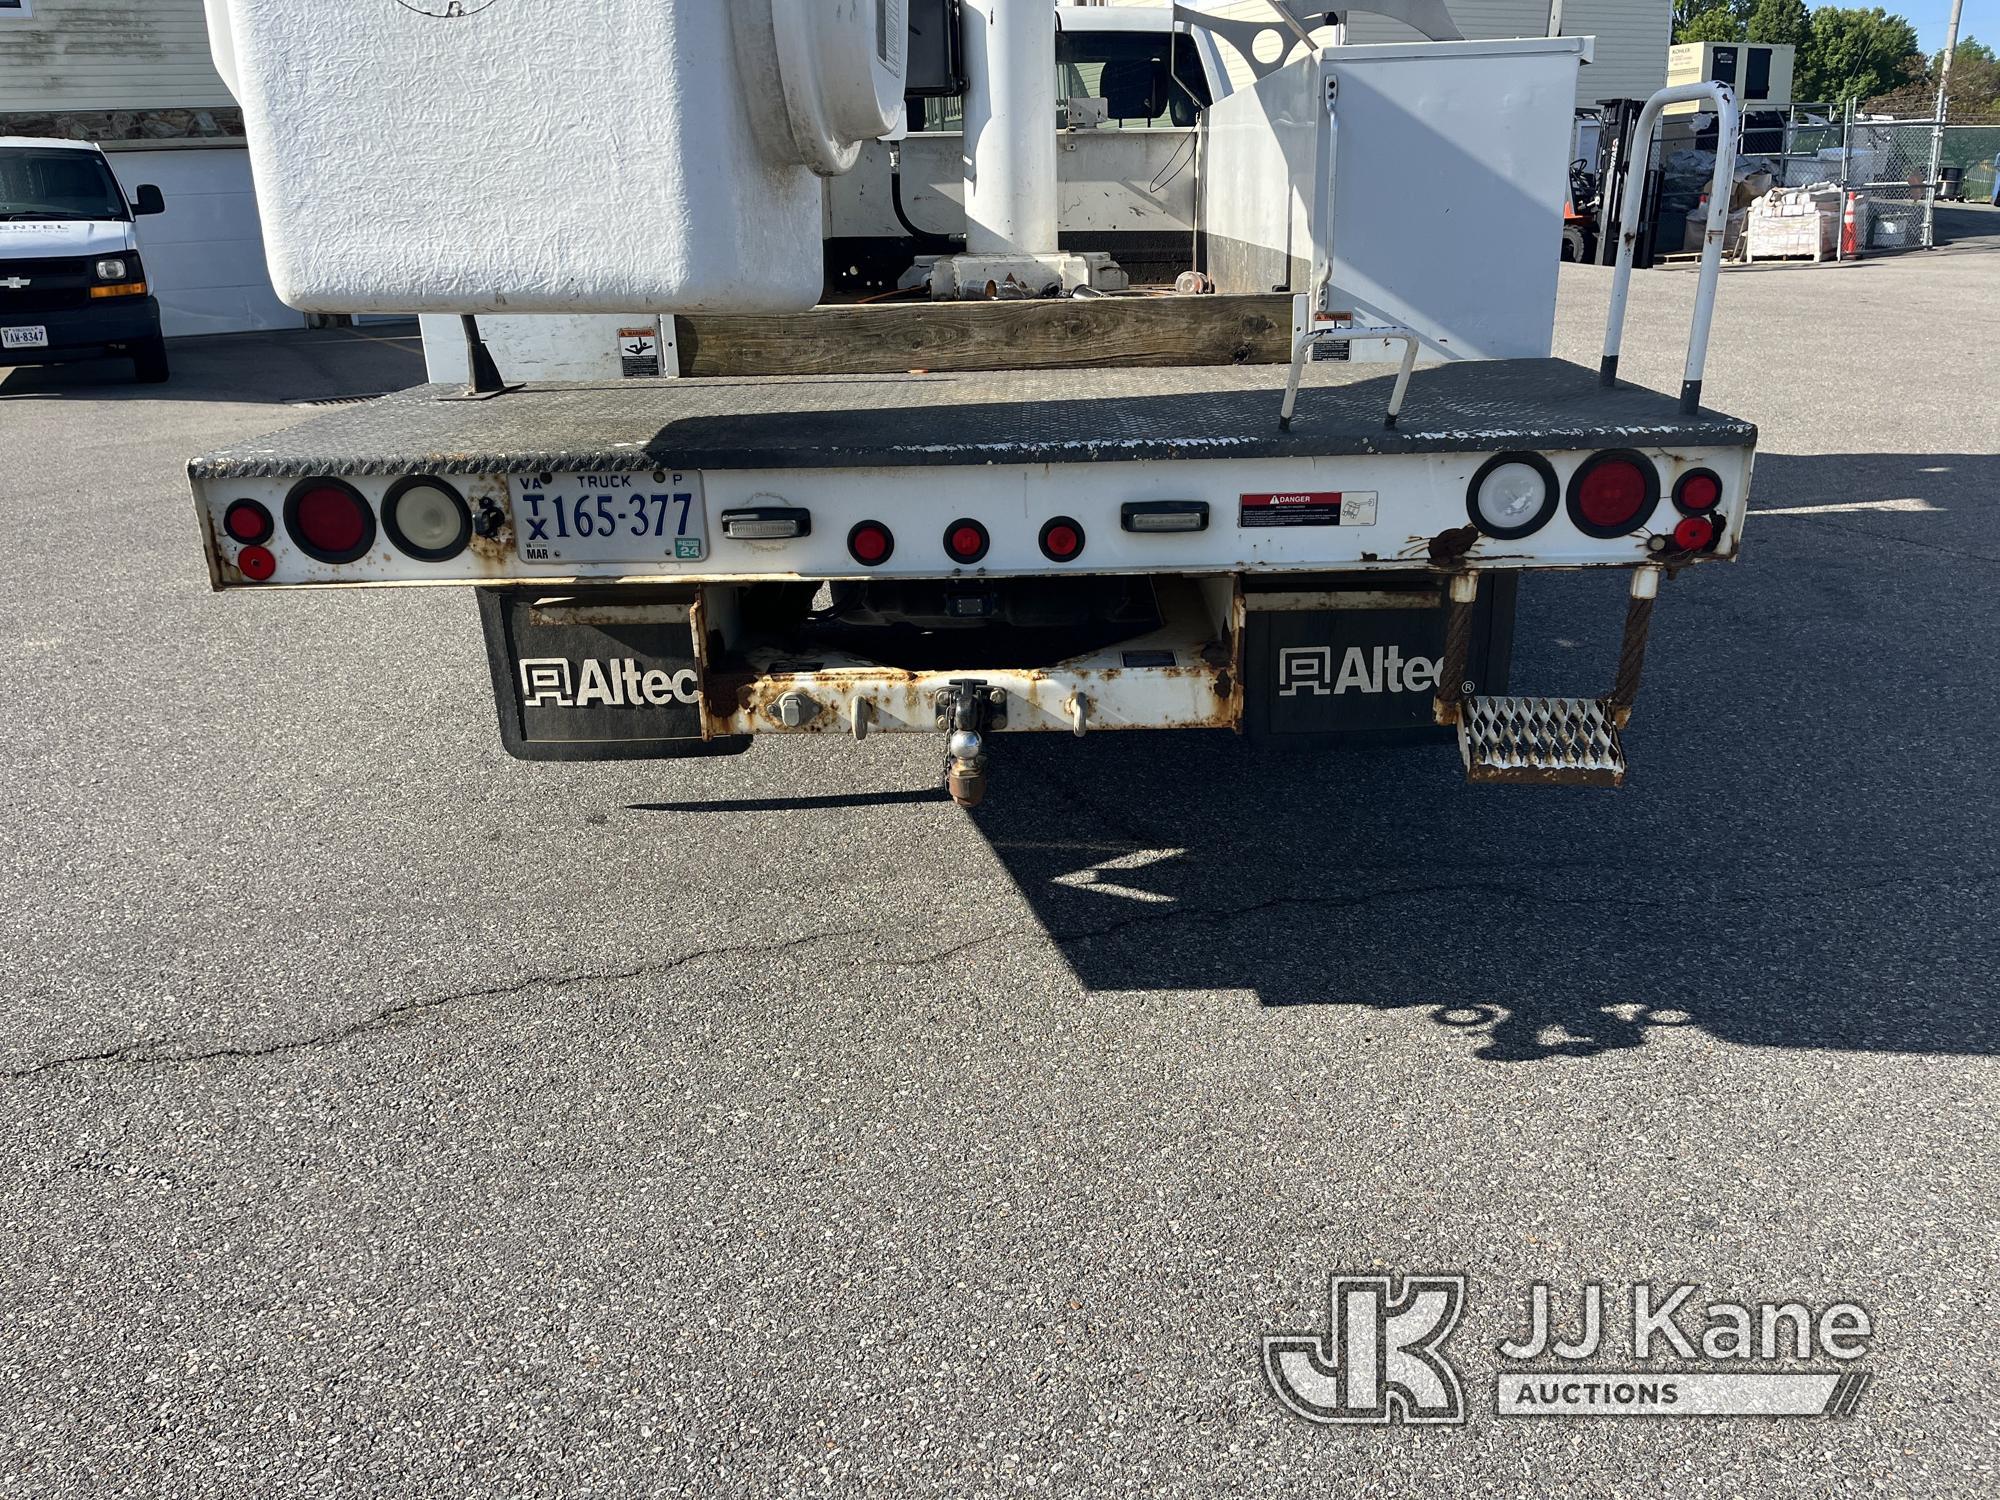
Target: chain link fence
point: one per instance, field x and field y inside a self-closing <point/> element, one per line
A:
<point x="1889" y="164"/>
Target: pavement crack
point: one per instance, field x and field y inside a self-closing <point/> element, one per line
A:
<point x="156" y="1051"/>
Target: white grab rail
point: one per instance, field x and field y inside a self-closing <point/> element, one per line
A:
<point x="1387" y="332"/>
<point x="1640" y="153"/>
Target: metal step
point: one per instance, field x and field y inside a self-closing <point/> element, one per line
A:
<point x="1540" y="742"/>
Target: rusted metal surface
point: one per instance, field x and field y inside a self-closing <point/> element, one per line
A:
<point x="1446" y="707"/>
<point x="1191" y="695"/>
<point x="1200" y="687"/>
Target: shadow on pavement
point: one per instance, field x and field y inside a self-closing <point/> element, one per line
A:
<point x="1787" y="867"/>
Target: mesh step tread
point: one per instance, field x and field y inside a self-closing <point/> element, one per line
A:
<point x="1540" y="742"/>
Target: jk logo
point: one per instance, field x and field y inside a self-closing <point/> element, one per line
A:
<point x="1379" y="1359"/>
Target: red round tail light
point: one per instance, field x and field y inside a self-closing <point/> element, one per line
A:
<point x="1696" y="533"/>
<point x="248" y="522"/>
<point x="965" y="541"/>
<point x="870" y="543"/>
<point x="329" y="520"/>
<point x="1698" y="490"/>
<point x="1061" y="539"/>
<point x="1612" y="494"/>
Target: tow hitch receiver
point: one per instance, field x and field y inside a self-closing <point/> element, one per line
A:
<point x="968" y="710"/>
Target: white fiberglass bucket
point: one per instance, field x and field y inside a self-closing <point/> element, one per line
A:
<point x="524" y="156"/>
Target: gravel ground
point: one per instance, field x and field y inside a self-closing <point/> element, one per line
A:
<point x="383" y="1116"/>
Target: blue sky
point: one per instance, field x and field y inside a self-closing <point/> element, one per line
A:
<point x="1930" y="16"/>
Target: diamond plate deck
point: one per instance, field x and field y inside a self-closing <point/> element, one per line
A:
<point x="1011" y="417"/>
<point x="1540" y="742"/>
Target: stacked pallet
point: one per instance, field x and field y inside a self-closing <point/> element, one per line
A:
<point x="1794" y="223"/>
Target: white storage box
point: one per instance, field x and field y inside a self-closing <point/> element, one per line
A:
<point x="1448" y="187"/>
<point x="596" y="155"/>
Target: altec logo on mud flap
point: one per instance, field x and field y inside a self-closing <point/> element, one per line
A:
<point x="556" y="682"/>
<point x="1309" y="669"/>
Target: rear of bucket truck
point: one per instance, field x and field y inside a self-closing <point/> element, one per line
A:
<point x="1295" y="508"/>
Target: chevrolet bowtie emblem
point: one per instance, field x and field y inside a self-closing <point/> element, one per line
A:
<point x="15" y="283"/>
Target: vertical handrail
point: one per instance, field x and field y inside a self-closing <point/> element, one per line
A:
<point x="1720" y="185"/>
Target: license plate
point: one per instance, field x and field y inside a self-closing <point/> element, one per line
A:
<point x="648" y="517"/>
<point x="36" y="337"/>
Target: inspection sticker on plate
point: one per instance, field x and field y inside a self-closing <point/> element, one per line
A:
<point x="652" y="516"/>
<point x="1309" y="508"/>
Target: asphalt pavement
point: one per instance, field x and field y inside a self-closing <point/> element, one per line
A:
<point x="381" y="1116"/>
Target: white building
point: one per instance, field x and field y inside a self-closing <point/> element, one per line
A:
<point x="135" y="76"/>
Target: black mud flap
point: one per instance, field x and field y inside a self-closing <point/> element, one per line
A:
<point x="1363" y="675"/>
<point x="605" y="674"/>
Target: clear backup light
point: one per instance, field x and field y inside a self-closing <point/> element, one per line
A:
<point x="426" y="518"/>
<point x="1511" y="495"/>
<point x="767" y="523"/>
<point x="1163" y="515"/>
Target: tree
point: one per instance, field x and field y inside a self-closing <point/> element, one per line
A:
<point x="1716" y="24"/>
<point x="1686" y="12"/>
<point x="1780" y="21"/>
<point x="1854" y="54"/>
<point x="1975" y="86"/>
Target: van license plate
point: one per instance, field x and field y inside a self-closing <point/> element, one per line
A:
<point x="36" y="337"/>
<point x="654" y="515"/>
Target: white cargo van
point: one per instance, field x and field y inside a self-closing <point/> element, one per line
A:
<point x="72" y="285"/>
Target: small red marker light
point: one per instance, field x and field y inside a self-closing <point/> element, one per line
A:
<point x="1698" y="491"/>
<point x="966" y="541"/>
<point x="1695" y="533"/>
<point x="256" y="563"/>
<point x="247" y="522"/>
<point x="870" y="543"/>
<point x="1061" y="539"/>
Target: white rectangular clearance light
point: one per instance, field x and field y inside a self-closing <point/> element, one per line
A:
<point x="1164" y="515"/>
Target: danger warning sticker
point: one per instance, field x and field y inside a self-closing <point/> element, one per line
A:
<point x="1309" y="508"/>
<point x="638" y="352"/>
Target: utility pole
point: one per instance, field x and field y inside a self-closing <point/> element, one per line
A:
<point x="1937" y="128"/>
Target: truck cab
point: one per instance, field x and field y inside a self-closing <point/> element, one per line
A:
<point x="72" y="283"/>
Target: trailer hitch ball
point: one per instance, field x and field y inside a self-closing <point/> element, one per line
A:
<point x="968" y="710"/>
<point x="965" y="767"/>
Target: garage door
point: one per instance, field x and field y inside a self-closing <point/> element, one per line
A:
<point x="205" y="254"/>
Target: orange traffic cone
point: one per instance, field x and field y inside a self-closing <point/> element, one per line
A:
<point x="1850" y="234"/>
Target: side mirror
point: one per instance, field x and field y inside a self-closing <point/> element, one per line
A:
<point x="149" y="201"/>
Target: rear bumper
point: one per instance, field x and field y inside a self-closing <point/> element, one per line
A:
<point x="109" y="327"/>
